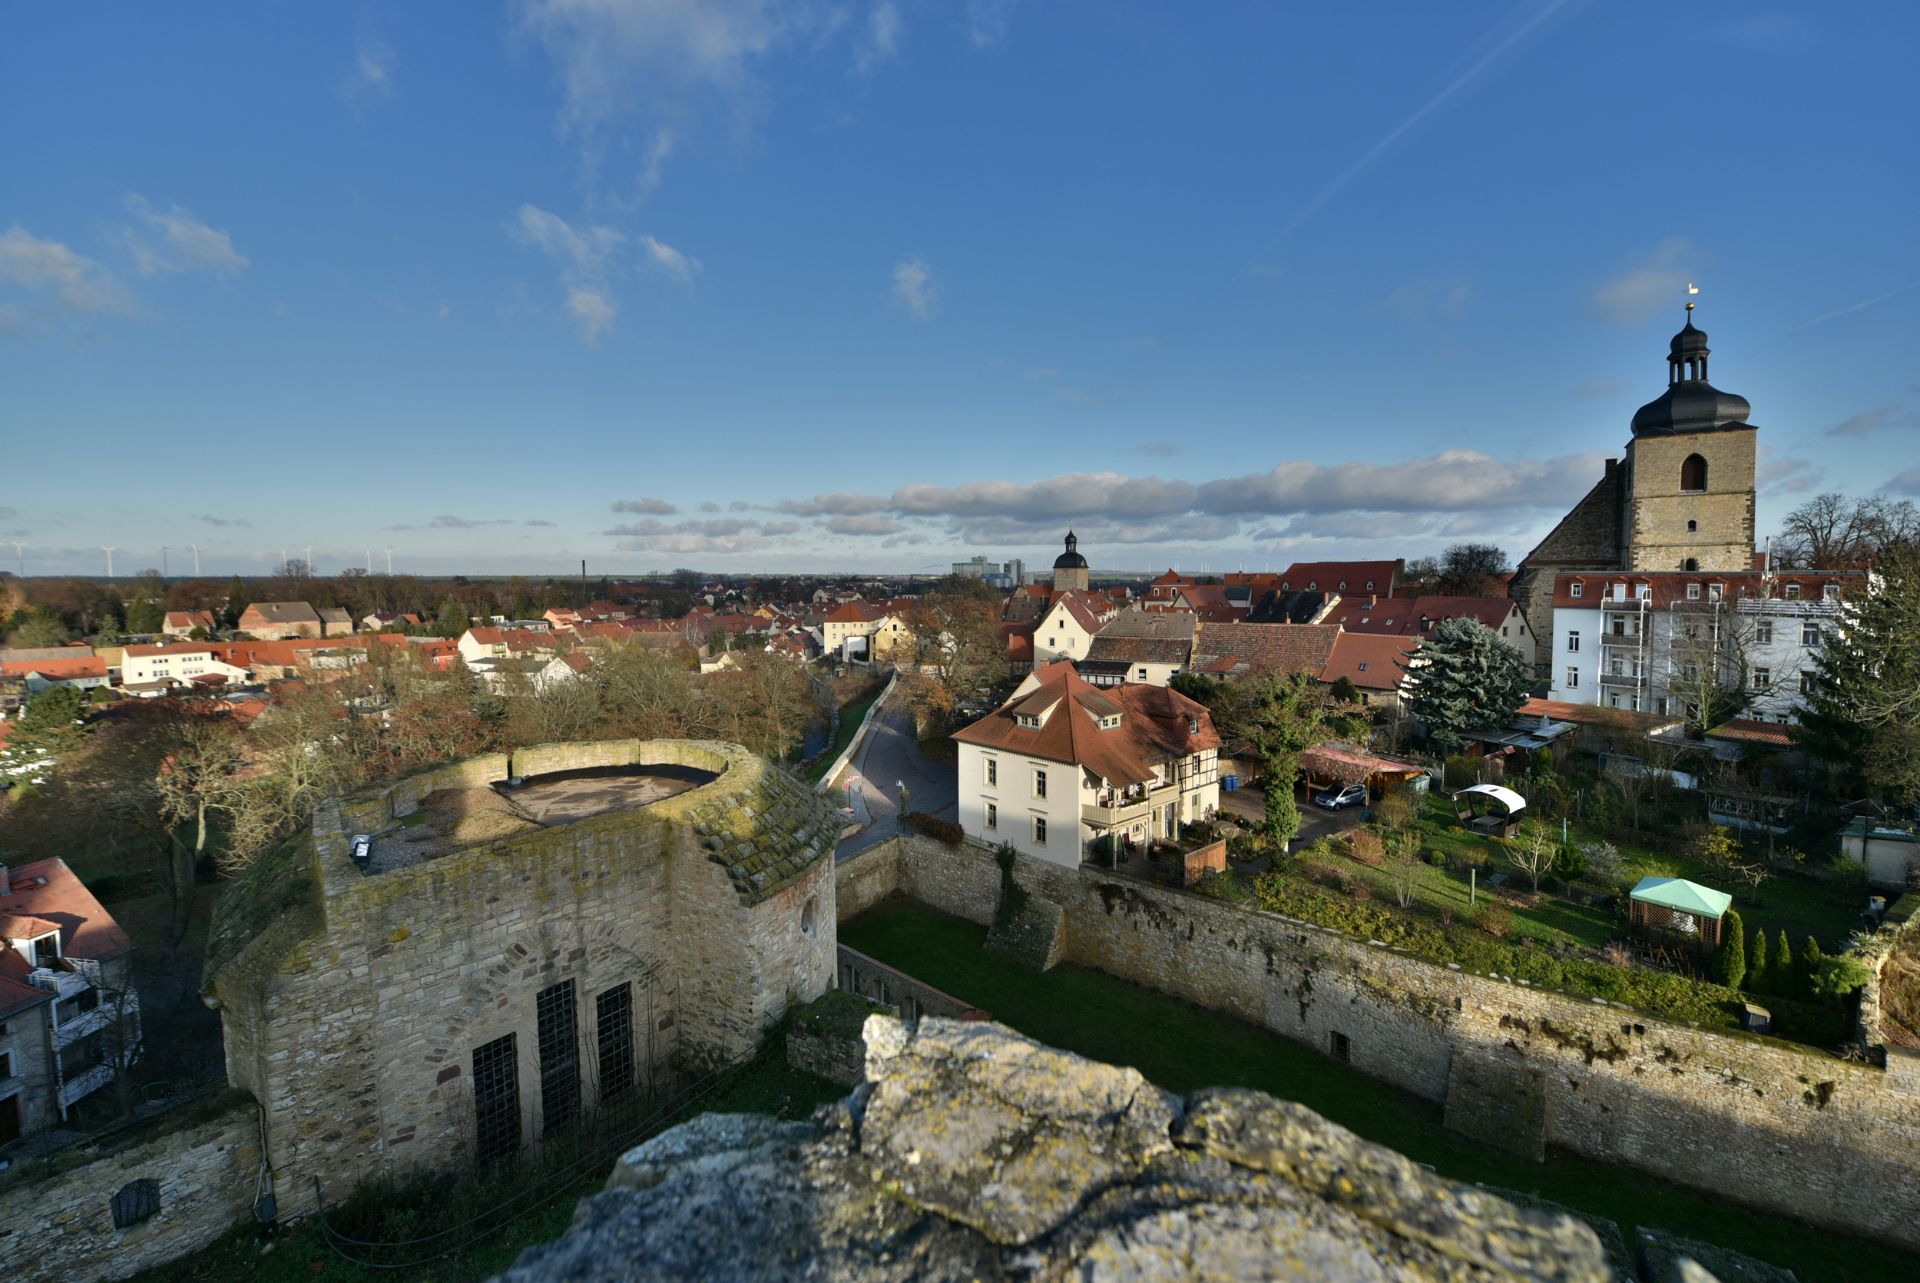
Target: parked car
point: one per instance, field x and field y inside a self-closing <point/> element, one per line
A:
<point x="1338" y="799"/>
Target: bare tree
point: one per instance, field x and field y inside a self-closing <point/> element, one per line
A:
<point x="1533" y="850"/>
<point x="1833" y="532"/>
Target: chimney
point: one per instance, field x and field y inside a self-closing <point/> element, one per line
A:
<point x="6" y="883"/>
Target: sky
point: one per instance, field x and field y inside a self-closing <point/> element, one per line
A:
<point x="884" y="284"/>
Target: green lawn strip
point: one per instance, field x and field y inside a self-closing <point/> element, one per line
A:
<point x="1182" y="1047"/>
<point x="850" y="719"/>
<point x="766" y="1085"/>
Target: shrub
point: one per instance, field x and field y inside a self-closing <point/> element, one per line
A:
<point x="1603" y="861"/>
<point x="1496" y="920"/>
<point x="1360" y="889"/>
<point x="1809" y="967"/>
<point x="1730" y="962"/>
<point x="1839" y="977"/>
<point x="1571" y="863"/>
<point x="935" y="827"/>
<point x="1366" y="847"/>
<point x="1221" y="884"/>
<point x="1616" y="954"/>
<point x="1436" y="857"/>
<point x="1714" y="845"/>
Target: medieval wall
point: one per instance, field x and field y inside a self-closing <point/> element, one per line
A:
<point x="1658" y="510"/>
<point x="360" y="1035"/>
<point x="1782" y="1127"/>
<point x="61" y="1227"/>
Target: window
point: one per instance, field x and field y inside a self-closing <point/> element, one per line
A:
<point x="1690" y="564"/>
<point x="1645" y="592"/>
<point x="1809" y="634"/>
<point x="1343" y="585"/>
<point x="1807" y="684"/>
<point x="1830" y="592"/>
<point x="613" y="1042"/>
<point x="1369" y="585"/>
<point x="1762" y="678"/>
<point x="993" y="772"/>
<point x="1693" y="473"/>
<point x="46" y="949"/>
<point x="496" y="1100"/>
<point x="1143" y="677"/>
<point x="1573" y="642"/>
<point x="1693" y="592"/>
<point x="1039" y="783"/>
<point x="1690" y="672"/>
<point x="1793" y="592"/>
<point x="1573" y="678"/>
<point x="1039" y="830"/>
<point x="1763" y="633"/>
<point x="559" y="1058"/>
<point x="1660" y="705"/>
<point x="6" y="1064"/>
<point x="1574" y="589"/>
<point x="1715" y="591"/>
<point x="993" y="816"/>
<point x="136" y="1201"/>
<point x="1692" y="526"/>
<point x="1339" y="1047"/>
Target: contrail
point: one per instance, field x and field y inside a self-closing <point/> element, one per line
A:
<point x="1860" y="307"/>
<point x="1393" y="135"/>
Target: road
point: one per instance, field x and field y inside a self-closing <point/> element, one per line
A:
<point x="887" y="757"/>
<point x="1250" y="804"/>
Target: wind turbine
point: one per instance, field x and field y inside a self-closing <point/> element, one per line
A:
<point x="108" y="549"/>
<point x="309" y="560"/>
<point x="196" y="559"/>
<point x="369" y="561"/>
<point x="389" y="561"/>
<point x="20" y="552"/>
<point x="163" y="562"/>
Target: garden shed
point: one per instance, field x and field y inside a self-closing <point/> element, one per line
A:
<point x="1675" y="906"/>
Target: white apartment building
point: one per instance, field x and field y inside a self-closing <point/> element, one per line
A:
<point x="179" y="663"/>
<point x="1648" y="642"/>
<point x="1064" y="763"/>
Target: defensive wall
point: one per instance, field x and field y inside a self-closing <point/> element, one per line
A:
<point x="1778" y="1126"/>
<point x="357" y="1006"/>
<point x="180" y="1180"/>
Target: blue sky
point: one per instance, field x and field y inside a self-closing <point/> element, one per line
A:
<point x="765" y="285"/>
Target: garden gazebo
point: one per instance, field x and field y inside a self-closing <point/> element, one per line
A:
<point x="1675" y="906"/>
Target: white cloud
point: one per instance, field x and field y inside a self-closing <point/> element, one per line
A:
<point x="173" y="240"/>
<point x="1874" y="420"/>
<point x="653" y="167"/>
<point x="1907" y="482"/>
<point x="1452" y="481"/>
<point x="371" y="75"/>
<point x="822" y="504"/>
<point x="873" y="524"/>
<point x="1654" y="279"/>
<point x="75" y="282"/>
<point x="881" y="38"/>
<point x="583" y="255"/>
<point x="677" y="265"/>
<point x="987" y="21"/>
<point x="913" y="287"/>
<point x="1786" y="473"/>
<point x="1428" y="297"/>
<point x="646" y="507"/>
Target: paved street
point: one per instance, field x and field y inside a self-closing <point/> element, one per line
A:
<point x="1250" y="804"/>
<point x="888" y="756"/>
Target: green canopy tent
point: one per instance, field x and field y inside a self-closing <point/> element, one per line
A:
<point x="1675" y="906"/>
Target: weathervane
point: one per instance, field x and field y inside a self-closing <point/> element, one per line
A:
<point x="1692" y="289"/>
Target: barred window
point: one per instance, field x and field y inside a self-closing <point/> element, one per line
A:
<point x="559" y="1058"/>
<point x="496" y="1100"/>
<point x="613" y="1025"/>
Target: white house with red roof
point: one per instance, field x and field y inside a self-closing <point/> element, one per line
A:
<point x="175" y="664"/>
<point x="1067" y="629"/>
<point x="181" y="623"/>
<point x="1063" y="763"/>
<point x="69" y="1018"/>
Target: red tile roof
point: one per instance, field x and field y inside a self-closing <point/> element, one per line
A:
<point x="855" y="612"/>
<point x="1263" y="648"/>
<point x="1155" y="725"/>
<point x="47" y="890"/>
<point x="1341" y="576"/>
<point x="1491" y="611"/>
<point x="1370" y="661"/>
<point x="1749" y="731"/>
<point x="1668" y="587"/>
<point x="57" y="670"/>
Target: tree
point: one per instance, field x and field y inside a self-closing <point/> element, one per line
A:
<point x="1730" y="962"/>
<point x="1863" y="715"/>
<point x="1632" y="781"/>
<point x="1833" y="532"/>
<point x="46" y="731"/>
<point x="452" y="620"/>
<point x="1759" y="973"/>
<point x="236" y="603"/>
<point x="1472" y="570"/>
<point x="199" y="779"/>
<point x="1839" y="976"/>
<point x="36" y="627"/>
<point x="1782" y="971"/>
<point x="1809" y="968"/>
<point x="1465" y="678"/>
<point x="1533" y="851"/>
<point x="1281" y="716"/>
<point x="144" y="616"/>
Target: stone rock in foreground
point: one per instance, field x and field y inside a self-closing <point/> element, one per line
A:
<point x="974" y="1153"/>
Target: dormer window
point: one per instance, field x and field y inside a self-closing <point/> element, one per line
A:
<point x="1369" y="585"/>
<point x="1313" y="585"/>
<point x="45" y="949"/>
<point x="1343" y="585"/>
<point x="1363" y="666"/>
<point x="1030" y="721"/>
<point x="1693" y="592"/>
<point x="1574" y="589"/>
<point x="1110" y="721"/>
<point x="1793" y="592"/>
<point x="1830" y="592"/>
<point x="1714" y="591"/>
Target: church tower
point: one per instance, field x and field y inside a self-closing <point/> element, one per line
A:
<point x="1687" y="501"/>
<point x="1070" y="568"/>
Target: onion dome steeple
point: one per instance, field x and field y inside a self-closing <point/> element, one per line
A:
<point x="1690" y="403"/>
<point x="1071" y="558"/>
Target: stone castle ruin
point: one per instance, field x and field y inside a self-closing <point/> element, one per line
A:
<point x="532" y="940"/>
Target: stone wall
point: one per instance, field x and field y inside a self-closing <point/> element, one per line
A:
<point x="1782" y="1127"/>
<point x="61" y="1227"/>
<point x="1659" y="510"/>
<point x="1588" y="536"/>
<point x="359" y="1029"/>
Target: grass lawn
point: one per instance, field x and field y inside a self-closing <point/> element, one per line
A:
<point x="1801" y="905"/>
<point x="1182" y="1047"/>
<point x="768" y="1085"/>
<point x="850" y="718"/>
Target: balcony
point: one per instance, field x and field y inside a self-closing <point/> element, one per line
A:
<point x="60" y="981"/>
<point x="1627" y="680"/>
<point x="69" y="1032"/>
<point x="1118" y="810"/>
<point x="85" y="1084"/>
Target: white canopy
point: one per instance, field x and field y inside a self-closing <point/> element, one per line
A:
<point x="1506" y="797"/>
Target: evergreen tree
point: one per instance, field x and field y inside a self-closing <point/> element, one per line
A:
<point x="1283" y="715"/>
<point x="1463" y="679"/>
<point x="1863" y="715"/>
<point x="1731" y="961"/>
<point x="1759" y="974"/>
<point x="1809" y="967"/>
<point x="144" y="616"/>
<point x="452" y="621"/>
<point x="1783" y="968"/>
<point x="236" y="602"/>
<point x="45" y="731"/>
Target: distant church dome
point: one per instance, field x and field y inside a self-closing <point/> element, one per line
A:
<point x="1071" y="558"/>
<point x="1690" y="403"/>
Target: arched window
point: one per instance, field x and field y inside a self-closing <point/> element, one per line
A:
<point x="1692" y="526"/>
<point x="1690" y="564"/>
<point x="1693" y="473"/>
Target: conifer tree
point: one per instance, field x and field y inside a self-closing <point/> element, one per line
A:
<point x="1759" y="973"/>
<point x="1809" y="968"/>
<point x="1731" y="961"/>
<point x="1783" y="969"/>
<point x="1464" y="678"/>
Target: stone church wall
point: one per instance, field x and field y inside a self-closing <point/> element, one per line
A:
<point x="1785" y="1128"/>
<point x="1588" y="536"/>
<point x="1658" y="538"/>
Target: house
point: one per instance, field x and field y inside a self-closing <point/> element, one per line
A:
<point x="1164" y="588"/>
<point x="87" y="671"/>
<point x="1140" y="645"/>
<point x="280" y="621"/>
<point x="181" y="623"/>
<point x="846" y="622"/>
<point x="1063" y="764"/>
<point x="1656" y="642"/>
<point x="1067" y="628"/>
<point x="174" y="664"/>
<point x="1357" y="578"/>
<point x="1211" y="602"/>
<point x="1418" y="617"/>
<point x="1375" y="664"/>
<point x="387" y="621"/>
<point x="335" y="621"/>
<point x="69" y="1016"/>
<point x="1241" y="650"/>
<point x="502" y="643"/>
